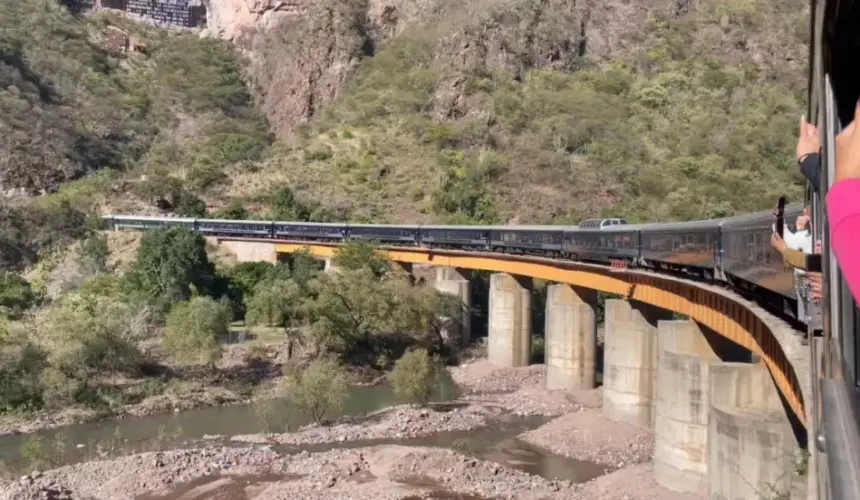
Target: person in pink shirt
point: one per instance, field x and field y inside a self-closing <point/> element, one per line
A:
<point x="843" y="207"/>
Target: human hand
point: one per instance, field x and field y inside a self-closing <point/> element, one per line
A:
<point x="807" y="140"/>
<point x="816" y="286"/>
<point x="778" y="243"/>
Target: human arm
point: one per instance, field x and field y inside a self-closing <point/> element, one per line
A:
<point x="807" y="153"/>
<point x="843" y="207"/>
<point x="793" y="258"/>
<point x="810" y="167"/>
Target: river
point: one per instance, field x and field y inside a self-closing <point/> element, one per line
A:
<point x="75" y="443"/>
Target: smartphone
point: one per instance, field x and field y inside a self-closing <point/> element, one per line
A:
<point x="813" y="263"/>
<point x="780" y="216"/>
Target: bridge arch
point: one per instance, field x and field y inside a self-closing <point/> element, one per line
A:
<point x="735" y="319"/>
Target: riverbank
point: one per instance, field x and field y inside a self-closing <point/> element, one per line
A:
<point x="349" y="468"/>
<point x="247" y="372"/>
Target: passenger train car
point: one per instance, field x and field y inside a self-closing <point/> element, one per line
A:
<point x="735" y="250"/>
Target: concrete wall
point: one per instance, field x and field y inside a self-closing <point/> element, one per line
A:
<point x="630" y="362"/>
<point x="456" y="282"/>
<point x="509" y="321"/>
<point x="684" y="358"/>
<point x="251" y="251"/>
<point x="571" y="337"/>
<point x="329" y="266"/>
<point x="751" y="445"/>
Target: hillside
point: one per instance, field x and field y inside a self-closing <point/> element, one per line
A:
<point x="514" y="111"/>
<point x="106" y="99"/>
<point x="482" y="111"/>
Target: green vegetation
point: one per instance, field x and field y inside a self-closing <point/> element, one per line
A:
<point x="16" y="295"/>
<point x="172" y="264"/>
<point x="155" y="329"/>
<point x="178" y="113"/>
<point x="417" y="375"/>
<point x="194" y="328"/>
<point x="318" y="389"/>
<point x="505" y="110"/>
<point x="119" y="111"/>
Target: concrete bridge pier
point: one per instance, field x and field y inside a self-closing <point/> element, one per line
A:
<point x="751" y="444"/>
<point x="329" y="265"/>
<point x="630" y="361"/>
<point x="571" y="337"/>
<point x="456" y="282"/>
<point x="684" y="358"/>
<point x="509" y="320"/>
<point x="402" y="269"/>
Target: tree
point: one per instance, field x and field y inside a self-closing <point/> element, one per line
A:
<point x="93" y="254"/>
<point x="321" y="388"/>
<point x="194" y="328"/>
<point x="188" y="205"/>
<point x="86" y="336"/>
<point x="426" y="312"/>
<point x="284" y="205"/>
<point x="16" y="296"/>
<point x="304" y="267"/>
<point x="241" y="279"/>
<point x="277" y="302"/>
<point x="358" y="254"/>
<point x="351" y="306"/>
<point x="170" y="262"/>
<point x="235" y="210"/>
<point x="21" y="364"/>
<point x="416" y="375"/>
<point x="247" y="275"/>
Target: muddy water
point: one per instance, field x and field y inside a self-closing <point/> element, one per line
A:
<point x="496" y="443"/>
<point x="173" y="430"/>
<point x="77" y="443"/>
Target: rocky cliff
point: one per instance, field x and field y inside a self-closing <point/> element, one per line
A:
<point x="303" y="51"/>
<point x="419" y="110"/>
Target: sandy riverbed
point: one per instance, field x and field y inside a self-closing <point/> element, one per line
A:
<point x="386" y="471"/>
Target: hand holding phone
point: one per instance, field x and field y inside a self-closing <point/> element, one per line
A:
<point x="779" y="216"/>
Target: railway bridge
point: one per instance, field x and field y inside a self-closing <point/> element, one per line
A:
<point x="724" y="390"/>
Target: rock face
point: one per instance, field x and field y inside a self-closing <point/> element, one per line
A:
<point x="304" y="52"/>
<point x="228" y="19"/>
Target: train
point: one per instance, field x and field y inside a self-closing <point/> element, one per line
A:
<point x="733" y="251"/>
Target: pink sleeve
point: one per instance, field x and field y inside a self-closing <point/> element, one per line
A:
<point x="843" y="213"/>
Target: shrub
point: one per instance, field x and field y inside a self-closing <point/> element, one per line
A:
<point x="321" y="388"/>
<point x="194" y="328"/>
<point x="416" y="376"/>
<point x="170" y="263"/>
<point x="15" y="295"/>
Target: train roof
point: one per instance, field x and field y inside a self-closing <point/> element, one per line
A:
<point x="672" y="226"/>
<point x="408" y="226"/>
<point x="326" y="224"/>
<point x="529" y="228"/>
<point x="792" y="210"/>
<point x="235" y="221"/>
<point x="148" y="218"/>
